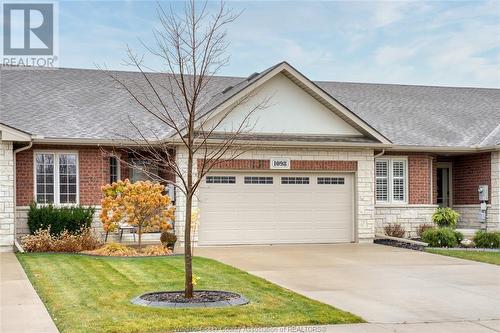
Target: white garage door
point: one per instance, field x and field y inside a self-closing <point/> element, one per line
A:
<point x="271" y="208"/>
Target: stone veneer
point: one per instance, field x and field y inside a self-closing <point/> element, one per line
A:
<point x="364" y="181"/>
<point x="494" y="211"/>
<point x="469" y="216"/>
<point x="410" y="216"/>
<point x="6" y="196"/>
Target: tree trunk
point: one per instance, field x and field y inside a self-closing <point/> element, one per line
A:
<point x="188" y="260"/>
<point x="139" y="234"/>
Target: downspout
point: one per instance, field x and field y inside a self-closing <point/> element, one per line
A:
<point x="380" y="154"/>
<point x="18" y="150"/>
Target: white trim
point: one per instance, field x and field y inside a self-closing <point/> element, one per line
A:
<point x="292" y="144"/>
<point x="390" y="181"/>
<point x="56" y="154"/>
<point x="409" y="206"/>
<point x="8" y="133"/>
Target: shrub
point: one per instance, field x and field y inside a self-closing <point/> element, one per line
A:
<point x="57" y="219"/>
<point x="440" y="237"/>
<point x="120" y="250"/>
<point x="114" y="249"/>
<point x="168" y="239"/>
<point x="445" y="217"/>
<point x="44" y="241"/>
<point x="395" y="230"/>
<point x="423" y="227"/>
<point x="157" y="250"/>
<point x="141" y="204"/>
<point x="459" y="236"/>
<point x="490" y="240"/>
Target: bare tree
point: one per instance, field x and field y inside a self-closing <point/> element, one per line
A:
<point x="192" y="46"/>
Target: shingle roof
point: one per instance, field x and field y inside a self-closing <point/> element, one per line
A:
<point x="87" y="104"/>
<point x="423" y="115"/>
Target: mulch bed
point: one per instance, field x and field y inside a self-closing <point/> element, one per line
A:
<point x="403" y="245"/>
<point x="203" y="296"/>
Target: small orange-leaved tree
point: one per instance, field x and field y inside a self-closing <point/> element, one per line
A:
<point x="140" y="204"/>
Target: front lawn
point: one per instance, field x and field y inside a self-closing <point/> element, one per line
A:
<point x="89" y="294"/>
<point x="487" y="257"/>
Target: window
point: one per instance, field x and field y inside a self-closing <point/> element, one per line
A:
<point x="56" y="178"/>
<point x="143" y="170"/>
<point x="331" y="180"/>
<point x="258" y="180"/>
<point x="294" y="180"/>
<point x="221" y="180"/>
<point x="391" y="180"/>
<point x="114" y="169"/>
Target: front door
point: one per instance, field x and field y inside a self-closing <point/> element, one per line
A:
<point x="444" y="184"/>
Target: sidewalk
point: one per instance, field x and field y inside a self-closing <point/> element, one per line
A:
<point x="21" y="310"/>
<point x="488" y="326"/>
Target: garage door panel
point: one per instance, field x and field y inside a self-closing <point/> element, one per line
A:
<point x="276" y="213"/>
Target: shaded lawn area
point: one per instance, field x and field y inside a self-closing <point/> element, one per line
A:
<point x="90" y="294"/>
<point x="487" y="257"/>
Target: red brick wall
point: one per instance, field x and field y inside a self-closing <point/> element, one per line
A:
<point x="468" y="172"/>
<point x="245" y="164"/>
<point x="24" y="178"/>
<point x="419" y="176"/>
<point x="93" y="172"/>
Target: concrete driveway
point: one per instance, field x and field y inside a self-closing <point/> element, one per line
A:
<point x="379" y="283"/>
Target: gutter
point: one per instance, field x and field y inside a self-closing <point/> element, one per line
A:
<point x="18" y="150"/>
<point x="298" y="144"/>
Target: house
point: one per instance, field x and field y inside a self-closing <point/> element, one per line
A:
<point x="331" y="161"/>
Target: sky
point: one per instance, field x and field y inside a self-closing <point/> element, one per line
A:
<point x="426" y="43"/>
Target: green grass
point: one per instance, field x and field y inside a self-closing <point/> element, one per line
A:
<point x="487" y="257"/>
<point x="90" y="294"/>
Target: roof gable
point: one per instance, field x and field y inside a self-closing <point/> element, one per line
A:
<point x="243" y="91"/>
<point x="290" y="110"/>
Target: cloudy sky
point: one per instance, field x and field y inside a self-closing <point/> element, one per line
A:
<point x="430" y="43"/>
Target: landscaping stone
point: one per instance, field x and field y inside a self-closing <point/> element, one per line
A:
<point x="395" y="243"/>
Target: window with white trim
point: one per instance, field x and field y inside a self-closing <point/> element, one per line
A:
<point x="143" y="170"/>
<point x="56" y="178"/>
<point x="391" y="180"/>
<point x="114" y="169"/>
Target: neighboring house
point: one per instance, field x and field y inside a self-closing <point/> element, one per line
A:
<point x="333" y="161"/>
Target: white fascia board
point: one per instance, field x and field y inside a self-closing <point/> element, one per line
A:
<point x="11" y="134"/>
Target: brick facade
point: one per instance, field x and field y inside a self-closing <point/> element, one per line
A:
<point x="24" y="178"/>
<point x="468" y="172"/>
<point x="93" y="164"/>
<point x="419" y="178"/>
<point x="245" y="164"/>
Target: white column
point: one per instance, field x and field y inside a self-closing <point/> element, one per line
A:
<point x="6" y="196"/>
<point x="494" y="211"/>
